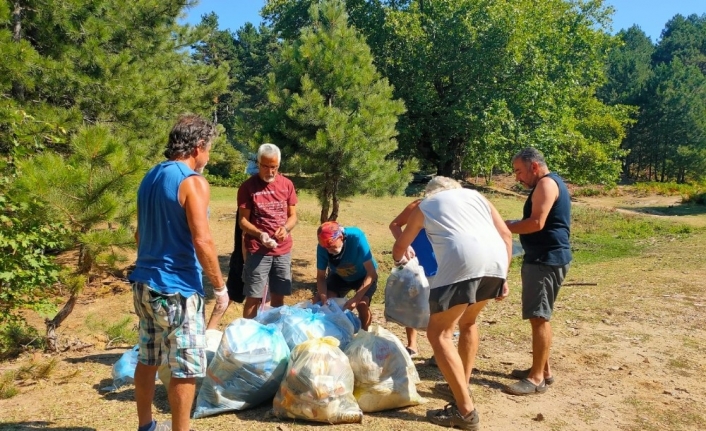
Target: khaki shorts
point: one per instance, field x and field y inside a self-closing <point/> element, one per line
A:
<point x="172" y="330"/>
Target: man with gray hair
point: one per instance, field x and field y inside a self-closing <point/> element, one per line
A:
<point x="267" y="210"/>
<point x="544" y="233"/>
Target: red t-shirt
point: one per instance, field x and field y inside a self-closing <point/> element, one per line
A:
<point x="268" y="204"/>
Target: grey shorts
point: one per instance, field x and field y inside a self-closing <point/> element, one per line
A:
<point x="464" y="292"/>
<point x="259" y="270"/>
<point x="540" y="288"/>
<point x="341" y="287"/>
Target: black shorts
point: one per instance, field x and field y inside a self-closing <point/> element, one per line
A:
<point x="341" y="287"/>
<point x="464" y="292"/>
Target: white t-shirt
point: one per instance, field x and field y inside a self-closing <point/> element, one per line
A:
<point x="460" y="228"/>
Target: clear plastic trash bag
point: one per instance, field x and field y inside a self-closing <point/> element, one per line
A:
<point x="246" y="370"/>
<point x="318" y="385"/>
<point x="407" y="296"/>
<point x="385" y="376"/>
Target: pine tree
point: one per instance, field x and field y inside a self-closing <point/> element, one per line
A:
<point x="333" y="113"/>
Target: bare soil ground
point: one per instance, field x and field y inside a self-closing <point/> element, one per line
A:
<point x="629" y="347"/>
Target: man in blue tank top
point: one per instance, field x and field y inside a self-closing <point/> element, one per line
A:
<point x="174" y="248"/>
<point x="544" y="233"/>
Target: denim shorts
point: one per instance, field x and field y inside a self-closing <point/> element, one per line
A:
<point x="172" y="330"/>
<point x="260" y="270"/>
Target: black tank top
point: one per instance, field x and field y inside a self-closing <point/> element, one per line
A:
<point x="550" y="245"/>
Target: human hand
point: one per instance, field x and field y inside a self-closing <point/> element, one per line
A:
<point x="410" y="253"/>
<point x="281" y="233"/>
<point x="222" y="301"/>
<point x="402" y="261"/>
<point x="267" y="241"/>
<point x="319" y="297"/>
<point x="505" y="292"/>
<point x="351" y="303"/>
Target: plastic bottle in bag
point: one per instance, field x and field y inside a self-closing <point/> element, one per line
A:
<point x="318" y="385"/>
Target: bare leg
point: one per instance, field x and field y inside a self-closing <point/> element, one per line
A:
<point x="468" y="338"/>
<point x="181" y="396"/>
<point x="541" y="343"/>
<point x="144" y="392"/>
<point x="364" y="314"/>
<point x="440" y="333"/>
<point x="276" y="300"/>
<point x="412" y="339"/>
<point x="250" y="307"/>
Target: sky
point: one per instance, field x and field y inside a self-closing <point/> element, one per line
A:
<point x="650" y="15"/>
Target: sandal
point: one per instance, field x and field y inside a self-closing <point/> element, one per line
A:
<point x="525" y="387"/>
<point x="523" y="374"/>
<point x="412" y="353"/>
<point x="450" y="417"/>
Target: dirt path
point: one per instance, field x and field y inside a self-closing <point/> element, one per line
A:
<point x="629" y="354"/>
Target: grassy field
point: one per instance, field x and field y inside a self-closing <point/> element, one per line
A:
<point x="629" y="333"/>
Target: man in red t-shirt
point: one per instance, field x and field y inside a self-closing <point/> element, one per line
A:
<point x="266" y="203"/>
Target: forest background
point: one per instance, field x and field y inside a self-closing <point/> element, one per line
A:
<point x="358" y="94"/>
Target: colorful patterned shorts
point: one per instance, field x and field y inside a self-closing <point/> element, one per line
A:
<point x="172" y="330"/>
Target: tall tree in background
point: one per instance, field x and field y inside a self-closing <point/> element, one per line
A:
<point x="90" y="91"/>
<point x="333" y="112"/>
<point x="484" y="78"/>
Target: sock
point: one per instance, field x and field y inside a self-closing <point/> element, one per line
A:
<point x="147" y="427"/>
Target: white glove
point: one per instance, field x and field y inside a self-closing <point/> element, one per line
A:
<point x="222" y="299"/>
<point x="267" y="241"/>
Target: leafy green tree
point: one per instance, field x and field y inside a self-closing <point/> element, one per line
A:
<point x="333" y="112"/>
<point x="484" y="78"/>
<point x="88" y="95"/>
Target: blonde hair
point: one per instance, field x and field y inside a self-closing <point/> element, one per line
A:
<point x="439" y="184"/>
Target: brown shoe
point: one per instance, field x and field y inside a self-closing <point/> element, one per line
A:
<point x="450" y="417"/>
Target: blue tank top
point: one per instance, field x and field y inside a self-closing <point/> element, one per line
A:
<point x="550" y="245"/>
<point x="425" y="254"/>
<point x="166" y="257"/>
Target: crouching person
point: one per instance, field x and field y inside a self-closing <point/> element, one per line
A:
<point x="345" y="253"/>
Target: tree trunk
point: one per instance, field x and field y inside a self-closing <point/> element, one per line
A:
<point x="18" y="91"/>
<point x="334" y="210"/>
<point x="53" y="324"/>
<point x="85" y="260"/>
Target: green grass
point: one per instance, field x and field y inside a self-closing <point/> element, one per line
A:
<point x="17" y="336"/>
<point x="598" y="235"/>
<point x="668" y="189"/>
<point x="120" y="332"/>
<point x="7" y="385"/>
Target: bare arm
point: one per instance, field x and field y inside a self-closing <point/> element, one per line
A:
<point x="545" y="194"/>
<point x="415" y="223"/>
<point x="321" y="289"/>
<point x="371" y="275"/>
<point x="194" y="195"/>
<point x="401" y="219"/>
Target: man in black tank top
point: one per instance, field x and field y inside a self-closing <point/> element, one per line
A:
<point x="544" y="233"/>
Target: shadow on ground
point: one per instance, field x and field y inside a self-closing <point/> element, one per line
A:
<point x="39" y="425"/>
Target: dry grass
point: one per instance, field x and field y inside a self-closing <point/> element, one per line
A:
<point x="628" y="347"/>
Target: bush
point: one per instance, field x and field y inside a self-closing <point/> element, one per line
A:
<point x="695" y="198"/>
<point x="17" y="336"/>
<point x="27" y="270"/>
